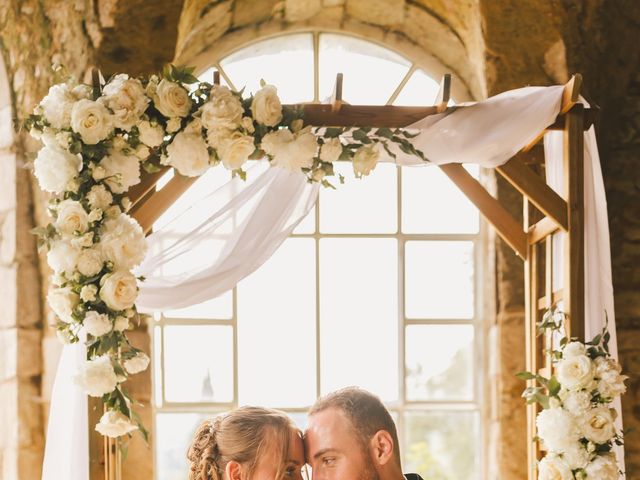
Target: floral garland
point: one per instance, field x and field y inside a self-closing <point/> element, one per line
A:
<point x="96" y="140"/>
<point x="576" y="425"/>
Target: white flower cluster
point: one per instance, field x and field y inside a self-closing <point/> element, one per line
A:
<point x="577" y="429"/>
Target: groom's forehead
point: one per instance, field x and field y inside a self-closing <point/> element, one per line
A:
<point x="328" y="423"/>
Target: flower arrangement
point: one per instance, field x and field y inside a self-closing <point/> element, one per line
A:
<point x="576" y="426"/>
<point x="96" y="141"/>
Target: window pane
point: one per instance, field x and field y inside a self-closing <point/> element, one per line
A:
<point x="361" y="206"/>
<point x="359" y="315"/>
<point x="174" y="433"/>
<point x="276" y="329"/>
<point x="371" y="72"/>
<point x="439" y="279"/>
<point x="273" y="60"/>
<point x="439" y="362"/>
<point x="442" y="445"/>
<point x="431" y="203"/>
<point x="198" y="363"/>
<point x="419" y="90"/>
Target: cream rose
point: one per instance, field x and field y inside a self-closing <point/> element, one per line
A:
<point x="575" y="372"/>
<point x="63" y="301"/>
<point x="598" y="425"/>
<point x="120" y="324"/>
<point x="188" y="154"/>
<point x="171" y="99"/>
<point x="290" y="151"/>
<point x="122" y="242"/>
<point x="114" y="424"/>
<point x="266" y="107"/>
<point x="553" y="467"/>
<point x="137" y="364"/>
<point x="365" y="160"/>
<point x="96" y="324"/>
<point x="331" y="150"/>
<point x="152" y="135"/>
<point x="576" y="402"/>
<point x="90" y="262"/>
<point x="574" y="349"/>
<point x="119" y="289"/>
<point x="91" y="120"/>
<point x="57" y="105"/>
<point x="216" y="137"/>
<point x="603" y="467"/>
<point x="126" y="98"/>
<point x="236" y="150"/>
<point x="72" y="218"/>
<point x="223" y="110"/>
<point x="121" y="171"/>
<point x="97" y="376"/>
<point x="62" y="257"/>
<point x="55" y="168"/>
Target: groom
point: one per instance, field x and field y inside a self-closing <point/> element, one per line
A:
<point x="351" y="435"/>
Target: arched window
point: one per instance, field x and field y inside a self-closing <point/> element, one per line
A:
<point x="378" y="287"/>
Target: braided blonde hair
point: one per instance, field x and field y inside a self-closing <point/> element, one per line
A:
<point x="241" y="436"/>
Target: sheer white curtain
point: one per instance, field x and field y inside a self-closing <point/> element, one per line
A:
<point x="250" y="225"/>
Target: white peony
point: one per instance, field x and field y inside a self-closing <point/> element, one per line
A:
<point x="57" y="105"/>
<point x="574" y="349"/>
<point x="576" y="456"/>
<point x="603" y="467"/>
<point x="90" y="262"/>
<point x="63" y="257"/>
<point x="91" y="120"/>
<point x="611" y="383"/>
<point x="575" y="372"/>
<point x="121" y="171"/>
<point x="119" y="289"/>
<point x="171" y="99"/>
<point x="137" y="364"/>
<point x="266" y="107"/>
<point x="88" y="293"/>
<point x="71" y="218"/>
<point x="188" y="154"/>
<point x="365" y="160"/>
<point x="289" y="150"/>
<point x="120" y="324"/>
<point x="236" y="150"/>
<point x="55" y="168"/>
<point x="553" y="467"/>
<point x="96" y="324"/>
<point x="331" y="150"/>
<point x="114" y="424"/>
<point x="152" y="135"/>
<point x="557" y="429"/>
<point x="598" y="425"/>
<point x="122" y="242"/>
<point x="126" y="98"/>
<point x="97" y="376"/>
<point x="223" y="110"/>
<point x="63" y="301"/>
<point x="577" y="403"/>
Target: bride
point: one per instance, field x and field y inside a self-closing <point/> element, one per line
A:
<point x="250" y="443"/>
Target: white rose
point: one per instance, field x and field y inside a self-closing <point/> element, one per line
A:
<point x="112" y="212"/>
<point x="122" y="242"/>
<point x="119" y="289"/>
<point x="575" y="372"/>
<point x="63" y="301"/>
<point x="98" y="172"/>
<point x="120" y="324"/>
<point x="126" y="98"/>
<point x="72" y="218"/>
<point x="223" y="110"/>
<point x="114" y="424"/>
<point x="557" y="429"/>
<point x="63" y="139"/>
<point x="290" y="151"/>
<point x="247" y="123"/>
<point x="82" y="91"/>
<point x="152" y="135"/>
<point x="55" y="168"/>
<point x="576" y="456"/>
<point x="603" y="467"/>
<point x="612" y="386"/>
<point x="171" y="99"/>
<point x="217" y="137"/>
<point x="576" y="402"/>
<point x="574" y="349"/>
<point x="96" y="324"/>
<point x="365" y="160"/>
<point x="95" y="215"/>
<point x="188" y="154"/>
<point x="152" y="86"/>
<point x="91" y="120"/>
<point x="97" y="376"/>
<point x="88" y="293"/>
<point x="173" y="124"/>
<point x="331" y="150"/>
<point x="553" y="467"/>
<point x="63" y="257"/>
<point x="236" y="150"/>
<point x="137" y="364"/>
<point x="598" y="425"/>
<point x="266" y="107"/>
<point x="90" y="262"/>
<point x="85" y="240"/>
<point x="57" y="105"/>
<point x="121" y="171"/>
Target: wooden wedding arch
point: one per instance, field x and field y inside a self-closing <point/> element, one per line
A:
<point x="545" y="213"/>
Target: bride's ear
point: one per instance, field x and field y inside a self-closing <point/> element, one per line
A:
<point x="233" y="471"/>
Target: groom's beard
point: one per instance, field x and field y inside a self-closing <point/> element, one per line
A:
<point x="370" y="472"/>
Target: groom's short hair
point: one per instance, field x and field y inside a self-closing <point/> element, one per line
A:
<point x="366" y="412"/>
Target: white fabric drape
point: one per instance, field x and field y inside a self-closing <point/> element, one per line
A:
<point x="250" y="225"/>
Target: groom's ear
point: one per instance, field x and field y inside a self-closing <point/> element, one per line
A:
<point x="233" y="470"/>
<point x="382" y="447"/>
